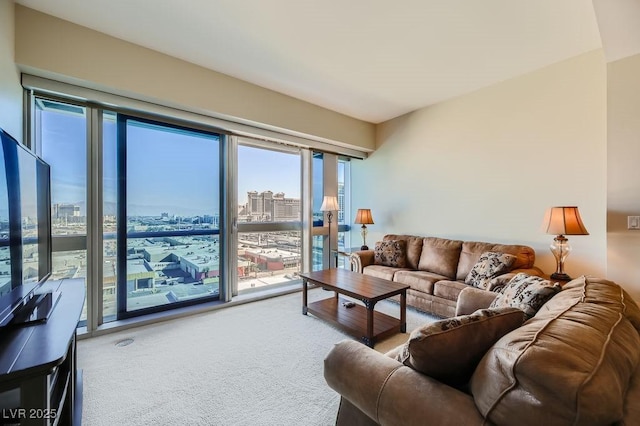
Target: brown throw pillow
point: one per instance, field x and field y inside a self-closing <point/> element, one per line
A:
<point x="527" y="293"/>
<point x="450" y="349"/>
<point x="391" y="253"/>
<point x="490" y="265"/>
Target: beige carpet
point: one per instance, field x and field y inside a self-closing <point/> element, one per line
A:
<point x="255" y="364"/>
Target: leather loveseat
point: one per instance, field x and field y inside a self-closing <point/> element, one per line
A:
<point x="436" y="268"/>
<point x="576" y="362"/>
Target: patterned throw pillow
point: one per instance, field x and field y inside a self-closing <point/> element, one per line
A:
<point x="527" y="293"/>
<point x="490" y="265"/>
<point x="450" y="349"/>
<point x="391" y="253"/>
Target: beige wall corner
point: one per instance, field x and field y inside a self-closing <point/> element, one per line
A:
<point x="619" y="29"/>
<point x="623" y="78"/>
<point x="10" y="89"/>
<point x="485" y="166"/>
<point x="53" y="47"/>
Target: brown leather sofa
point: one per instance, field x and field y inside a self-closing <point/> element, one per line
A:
<point x="576" y="362"/>
<point x="437" y="267"/>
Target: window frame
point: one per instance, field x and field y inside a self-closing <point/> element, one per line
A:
<point x="122" y="222"/>
<point x="98" y="104"/>
<point x="263" y="227"/>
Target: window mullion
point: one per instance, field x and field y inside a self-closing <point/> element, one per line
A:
<point x="94" y="218"/>
<point x="229" y="223"/>
<point x="307" y="211"/>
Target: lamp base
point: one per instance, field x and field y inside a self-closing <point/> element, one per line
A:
<point x="364" y="248"/>
<point x="560" y="277"/>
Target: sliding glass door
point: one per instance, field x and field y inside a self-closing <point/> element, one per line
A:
<point x="168" y="215"/>
<point x="269" y="237"/>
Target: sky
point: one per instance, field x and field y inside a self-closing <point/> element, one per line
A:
<point x="173" y="172"/>
<point x="264" y="170"/>
<point x="167" y="171"/>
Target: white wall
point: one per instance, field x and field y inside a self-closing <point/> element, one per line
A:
<point x="10" y="89"/>
<point x="623" y="93"/>
<point x="485" y="166"/>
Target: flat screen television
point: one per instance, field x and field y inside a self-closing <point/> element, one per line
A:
<point x="25" y="234"/>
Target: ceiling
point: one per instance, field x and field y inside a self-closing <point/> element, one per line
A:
<point x="369" y="59"/>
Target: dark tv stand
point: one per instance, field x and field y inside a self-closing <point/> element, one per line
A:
<point x="39" y="380"/>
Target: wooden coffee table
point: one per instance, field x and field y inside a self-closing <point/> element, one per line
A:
<point x="359" y="321"/>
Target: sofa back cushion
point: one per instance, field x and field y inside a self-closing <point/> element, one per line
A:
<point x="440" y="256"/>
<point x="571" y="363"/>
<point x="472" y="250"/>
<point x="414" y="248"/>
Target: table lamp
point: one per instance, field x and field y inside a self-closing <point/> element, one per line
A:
<point x="561" y="221"/>
<point x="363" y="217"/>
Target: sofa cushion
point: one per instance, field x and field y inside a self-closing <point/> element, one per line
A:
<point x="414" y="248"/>
<point x="449" y="290"/>
<point x="418" y="280"/>
<point x="472" y="250"/>
<point x="391" y="253"/>
<point x="449" y="350"/>
<point x="380" y="271"/>
<point x="570" y="364"/>
<point x="440" y="256"/>
<point x="526" y="292"/>
<point x="489" y="265"/>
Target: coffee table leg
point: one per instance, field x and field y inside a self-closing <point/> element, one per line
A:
<point x="368" y="338"/>
<point x="304" y="296"/>
<point x="403" y="312"/>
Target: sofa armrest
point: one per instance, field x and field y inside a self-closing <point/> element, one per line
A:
<point x="471" y="299"/>
<point x="360" y="259"/>
<point x="391" y="393"/>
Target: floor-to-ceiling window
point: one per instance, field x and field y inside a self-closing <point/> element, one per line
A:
<point x="344" y="203"/>
<point x="168" y="215"/>
<point x="269" y="215"/>
<point x="159" y="186"/>
<point x="141" y="211"/>
<point x="61" y="137"/>
<point x="109" y="191"/>
<point x="317" y="176"/>
<point x="331" y="175"/>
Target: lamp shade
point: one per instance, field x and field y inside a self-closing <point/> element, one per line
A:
<point x="363" y="217"/>
<point x="563" y="220"/>
<point x="329" y="203"/>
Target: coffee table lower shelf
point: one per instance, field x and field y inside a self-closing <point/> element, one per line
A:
<point x="354" y="320"/>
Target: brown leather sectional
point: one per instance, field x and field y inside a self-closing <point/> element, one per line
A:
<point x="576" y="362"/>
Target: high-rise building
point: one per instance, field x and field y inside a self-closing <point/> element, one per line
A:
<point x="269" y="207"/>
<point x="285" y="209"/>
<point x="65" y="211"/>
